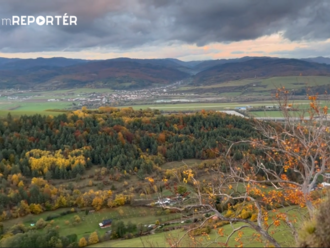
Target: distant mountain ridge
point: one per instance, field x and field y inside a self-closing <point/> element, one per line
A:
<point x="321" y="60"/>
<point x="121" y="73"/>
<point x="261" y="67"/>
<point x="128" y="73"/>
<point x="19" y="64"/>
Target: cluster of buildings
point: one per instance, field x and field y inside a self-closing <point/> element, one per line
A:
<point x="100" y="98"/>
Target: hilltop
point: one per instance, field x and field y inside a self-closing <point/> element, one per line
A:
<point x="115" y="73"/>
<point x="260" y="68"/>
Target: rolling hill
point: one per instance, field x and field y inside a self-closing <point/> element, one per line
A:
<point x="19" y="64"/>
<point x="204" y="65"/>
<point x="122" y="73"/>
<point x="260" y="68"/>
<point x="321" y="60"/>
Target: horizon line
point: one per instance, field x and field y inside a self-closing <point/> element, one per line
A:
<point x="20" y="58"/>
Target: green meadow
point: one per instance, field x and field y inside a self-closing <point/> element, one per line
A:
<point x="213" y="239"/>
<point x="90" y="223"/>
<point x="261" y="86"/>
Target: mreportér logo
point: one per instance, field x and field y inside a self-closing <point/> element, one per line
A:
<point x="40" y="20"/>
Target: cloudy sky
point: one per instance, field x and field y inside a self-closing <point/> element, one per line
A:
<point x="183" y="29"/>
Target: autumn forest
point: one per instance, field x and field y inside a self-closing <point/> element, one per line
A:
<point x="250" y="172"/>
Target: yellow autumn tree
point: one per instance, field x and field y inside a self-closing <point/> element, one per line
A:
<point x="42" y="161"/>
<point x="97" y="203"/>
<point x="79" y="113"/>
<point x="110" y="203"/>
<point x="119" y="200"/>
<point x="61" y="202"/>
<point x="36" y="208"/>
<point x="23" y="208"/>
<point x="38" y="181"/>
<point x="21" y="184"/>
<point x="15" y="179"/>
<point x="84" y="109"/>
<point x="82" y="242"/>
<point x="93" y="238"/>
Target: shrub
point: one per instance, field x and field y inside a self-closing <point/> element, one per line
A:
<point x="230" y="213"/>
<point x="129" y="236"/>
<point x="220" y="223"/>
<point x="200" y="231"/>
<point x="182" y="189"/>
<point x="19" y="228"/>
<point x="93" y="238"/>
<point x="245" y="214"/>
<point x="131" y="227"/>
<point x="316" y="232"/>
<point x="254" y="217"/>
<point x="307" y="236"/>
<point x="35" y="208"/>
<point x="105" y="237"/>
<point x="76" y="219"/>
<point x="41" y="223"/>
<point x="82" y="242"/>
<point x="72" y="238"/>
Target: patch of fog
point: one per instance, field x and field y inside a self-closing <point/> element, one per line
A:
<point x="231" y="112"/>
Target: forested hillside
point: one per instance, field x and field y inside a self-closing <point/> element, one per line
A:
<point x="262" y="67"/>
<point x="121" y="142"/>
<point x="118" y="73"/>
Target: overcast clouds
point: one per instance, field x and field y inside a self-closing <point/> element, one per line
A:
<point x="190" y="29"/>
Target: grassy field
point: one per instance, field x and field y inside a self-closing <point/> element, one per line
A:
<point x="90" y="223"/>
<point x="38" y="101"/>
<point x="261" y="86"/>
<point x="30" y="108"/>
<point x="161" y="239"/>
<point x="212" y="106"/>
<point x="27" y="220"/>
<point x="16" y="113"/>
<point x="266" y="113"/>
<point x="43" y="108"/>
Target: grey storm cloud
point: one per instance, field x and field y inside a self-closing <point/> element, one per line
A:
<point x="120" y="25"/>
